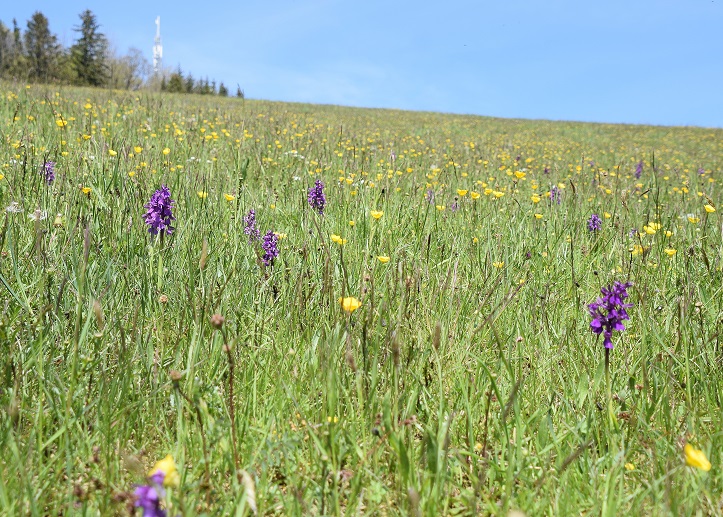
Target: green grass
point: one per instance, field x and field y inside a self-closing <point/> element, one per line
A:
<point x="458" y="388"/>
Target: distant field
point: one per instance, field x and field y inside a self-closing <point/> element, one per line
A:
<point x="467" y="382"/>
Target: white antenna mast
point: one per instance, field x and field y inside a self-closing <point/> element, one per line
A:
<point x="157" y="48"/>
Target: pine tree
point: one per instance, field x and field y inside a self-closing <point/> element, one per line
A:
<point x="190" y="83"/>
<point x="88" y="55"/>
<point x="175" y="82"/>
<point x="16" y="63"/>
<point x="41" y="49"/>
<point x="222" y="90"/>
<point x="6" y="41"/>
<point x="239" y="92"/>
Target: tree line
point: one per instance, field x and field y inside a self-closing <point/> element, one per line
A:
<point x="35" y="55"/>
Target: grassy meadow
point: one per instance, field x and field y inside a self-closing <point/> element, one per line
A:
<point x="468" y="381"/>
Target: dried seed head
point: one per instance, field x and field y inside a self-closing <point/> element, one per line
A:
<point x="217" y="321"/>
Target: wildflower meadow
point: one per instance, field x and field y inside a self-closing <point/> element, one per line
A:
<point x="234" y="307"/>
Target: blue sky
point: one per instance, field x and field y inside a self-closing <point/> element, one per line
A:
<point x="631" y="61"/>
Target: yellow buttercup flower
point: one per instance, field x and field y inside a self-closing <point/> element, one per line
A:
<point x="229" y="197"/>
<point x="474" y="195"/>
<point x="170" y="472"/>
<point x="202" y="194"/>
<point x="696" y="458"/>
<point x="61" y="123"/>
<point x="670" y="251"/>
<point x="377" y="214"/>
<point x="166" y="151"/>
<point x="693" y="219"/>
<point x="112" y="152"/>
<point x="498" y="265"/>
<point x="86" y="190"/>
<point x="535" y="198"/>
<point x="461" y="192"/>
<point x="538" y="216"/>
<point x="350" y="304"/>
<point x="440" y="207"/>
<point x="351" y="223"/>
<point x="138" y="149"/>
<point x="709" y="208"/>
<point x="383" y="259"/>
<point x="337" y="239"/>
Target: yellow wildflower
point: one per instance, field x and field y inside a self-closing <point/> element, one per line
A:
<point x="170" y="472"/>
<point x="709" y="208"/>
<point x="166" y="151"/>
<point x="112" y="152"/>
<point x="670" y="251"/>
<point x="377" y="214"/>
<point x="202" y="194"/>
<point x="383" y="259"/>
<point x="696" y="458"/>
<point x="229" y="197"/>
<point x="474" y="195"/>
<point x="337" y="239"/>
<point x="350" y="304"/>
<point x="461" y="192"/>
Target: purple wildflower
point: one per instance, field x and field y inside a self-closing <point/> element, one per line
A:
<point x="250" y="228"/>
<point x="317" y="199"/>
<point x="594" y="223"/>
<point x="159" y="214"/>
<point x="639" y="170"/>
<point x="632" y="233"/>
<point x="49" y="172"/>
<point x="429" y="196"/>
<point x="149" y="496"/>
<point x="555" y="194"/>
<point x="454" y="206"/>
<point x="609" y="311"/>
<point x="701" y="171"/>
<point x="546" y="170"/>
<point x="270" y="247"/>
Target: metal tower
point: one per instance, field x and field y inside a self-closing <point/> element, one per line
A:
<point x="157" y="48"/>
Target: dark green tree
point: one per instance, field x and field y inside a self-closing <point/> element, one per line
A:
<point x="88" y="54"/>
<point x="175" y="82"/>
<point x="222" y="90"/>
<point x="42" y="50"/>
<point x="190" y="83"/>
<point x="239" y="92"/>
<point x="13" y="64"/>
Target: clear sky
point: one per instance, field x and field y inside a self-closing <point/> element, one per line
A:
<point x="631" y="61"/>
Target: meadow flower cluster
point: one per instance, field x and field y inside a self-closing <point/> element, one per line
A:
<point x="159" y="215"/>
<point x="609" y="311"/>
<point x="392" y="318"/>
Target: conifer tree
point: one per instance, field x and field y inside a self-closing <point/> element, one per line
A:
<point x="42" y="50"/>
<point x="89" y="53"/>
